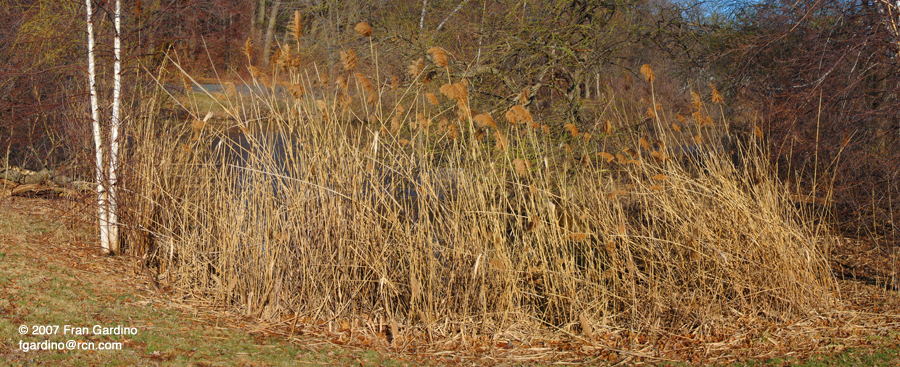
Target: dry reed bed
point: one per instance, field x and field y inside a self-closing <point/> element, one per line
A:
<point x="436" y="221"/>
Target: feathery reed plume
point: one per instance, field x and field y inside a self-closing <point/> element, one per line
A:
<point x="607" y="127"/>
<point x="658" y="156"/>
<point x="276" y="58"/>
<point x="484" y="120"/>
<point x="586" y="161"/>
<point x="363" y="29"/>
<point x="572" y="129"/>
<point x="644" y="143"/>
<point x="423" y="122"/>
<point x="395" y="124"/>
<point x="511" y="117"/>
<point x="349" y="59"/>
<point x="415" y="68"/>
<point x="461" y="90"/>
<point x="648" y="73"/>
<point x="621" y="158"/>
<point x="438" y="56"/>
<point x="682" y="119"/>
<point x="197" y="125"/>
<point x="248" y="50"/>
<point x="296" y="26"/>
<point x="696" y="101"/>
<point x="545" y="129"/>
<point x="698" y="117"/>
<point x="661" y="177"/>
<point x="500" y="140"/>
<point x="296" y="90"/>
<point x="523" y="96"/>
<point x="449" y="91"/>
<point x="452" y="132"/>
<point x="607" y="157"/>
<point x="522" y="114"/>
<point x="395" y="82"/>
<point x="758" y="132"/>
<point x="676" y="128"/>
<point x="341" y="82"/>
<point x="650" y="113"/>
<point x="716" y="97"/>
<point x="521" y="166"/>
<point x="344" y="100"/>
<point x="255" y="72"/>
<point x="366" y="84"/>
<point x="432" y="99"/>
<point x="586" y="136"/>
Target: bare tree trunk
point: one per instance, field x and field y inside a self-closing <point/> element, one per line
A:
<point x="422" y="18"/>
<point x="260" y="13"/>
<point x="106" y="194"/>
<point x="269" y="30"/>
<point x="112" y="206"/>
<point x="98" y="138"/>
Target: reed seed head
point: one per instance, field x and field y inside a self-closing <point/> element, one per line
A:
<point x="572" y="129"/>
<point x="500" y="140"/>
<point x="521" y="166"/>
<point x="484" y="120"/>
<point x="696" y="101"/>
<point x="644" y="143"/>
<point x="363" y="29"/>
<point x="524" y="96"/>
<point x="349" y="59"/>
<point x="449" y="91"/>
<point x="716" y="97"/>
<point x="432" y="99"/>
<point x="607" y="157"/>
<point x="415" y="68"/>
<point x="438" y="56"/>
<point x="297" y="26"/>
<point x="248" y="49"/>
<point x="648" y="73"/>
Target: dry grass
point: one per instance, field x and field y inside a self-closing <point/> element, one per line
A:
<point x="342" y="206"/>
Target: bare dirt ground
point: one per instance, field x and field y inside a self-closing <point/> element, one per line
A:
<point x="52" y="274"/>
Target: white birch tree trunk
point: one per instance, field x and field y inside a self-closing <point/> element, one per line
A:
<point x="98" y="136"/>
<point x="112" y="194"/>
<point x="106" y="175"/>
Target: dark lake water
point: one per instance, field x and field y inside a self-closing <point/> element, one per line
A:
<point x="281" y="163"/>
<point x="239" y="88"/>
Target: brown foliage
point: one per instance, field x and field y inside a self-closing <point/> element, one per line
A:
<point x="824" y="75"/>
